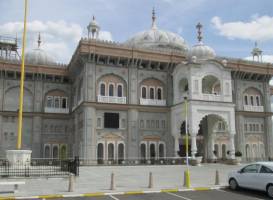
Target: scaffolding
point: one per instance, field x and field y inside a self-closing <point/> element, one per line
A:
<point x="9" y="48"/>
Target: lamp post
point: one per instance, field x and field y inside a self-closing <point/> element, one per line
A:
<point x="187" y="172"/>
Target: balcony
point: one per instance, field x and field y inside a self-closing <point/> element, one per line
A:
<point x="111" y="99"/>
<point x="253" y="108"/>
<point x="152" y="102"/>
<point x="56" y="110"/>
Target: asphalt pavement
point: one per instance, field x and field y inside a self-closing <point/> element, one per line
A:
<point x="222" y="194"/>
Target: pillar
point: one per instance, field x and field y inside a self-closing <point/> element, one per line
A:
<point x="231" y="146"/>
<point x="36" y="137"/>
<point x="89" y="134"/>
<point x="193" y="145"/>
<point x="176" y="146"/>
<point x="133" y="137"/>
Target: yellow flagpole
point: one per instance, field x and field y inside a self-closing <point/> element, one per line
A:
<point x="21" y="100"/>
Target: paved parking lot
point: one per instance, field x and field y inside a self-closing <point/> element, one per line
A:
<point x="188" y="195"/>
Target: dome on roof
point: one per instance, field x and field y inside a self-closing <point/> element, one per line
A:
<point x="202" y="52"/>
<point x="156" y="38"/>
<point x="38" y="56"/>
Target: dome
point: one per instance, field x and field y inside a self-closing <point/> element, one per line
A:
<point x="38" y="56"/>
<point x="202" y="52"/>
<point x="156" y="38"/>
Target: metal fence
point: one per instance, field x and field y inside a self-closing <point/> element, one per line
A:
<point x="40" y="168"/>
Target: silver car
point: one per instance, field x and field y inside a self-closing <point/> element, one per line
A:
<point x="257" y="176"/>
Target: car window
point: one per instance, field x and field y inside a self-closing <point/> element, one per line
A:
<point x="251" y="169"/>
<point x="265" y="169"/>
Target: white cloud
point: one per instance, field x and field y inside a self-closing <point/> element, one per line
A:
<point x="259" y="28"/>
<point x="59" y="38"/>
<point x="266" y="58"/>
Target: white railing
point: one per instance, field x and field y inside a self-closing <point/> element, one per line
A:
<point x="211" y="97"/>
<point x="253" y="108"/>
<point x="153" y="102"/>
<point x="56" y="110"/>
<point x="111" y="99"/>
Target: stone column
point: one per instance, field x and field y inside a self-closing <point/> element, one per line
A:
<point x="1" y="93"/>
<point x="133" y="137"/>
<point x="36" y="137"/>
<point x="231" y="146"/>
<point x="90" y="82"/>
<point x="176" y="146"/>
<point x="211" y="155"/>
<point x="193" y="145"/>
<point x="89" y="133"/>
<point x="2" y="153"/>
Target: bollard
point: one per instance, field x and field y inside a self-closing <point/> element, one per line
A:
<point x="217" y="179"/>
<point x="151" y="182"/>
<point x="187" y="183"/>
<point x="112" y="186"/>
<point x="71" y="184"/>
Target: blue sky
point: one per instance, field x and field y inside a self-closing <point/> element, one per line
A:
<point x="230" y="26"/>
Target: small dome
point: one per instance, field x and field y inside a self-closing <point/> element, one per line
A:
<point x="202" y="52"/>
<point x="156" y="38"/>
<point x="39" y="57"/>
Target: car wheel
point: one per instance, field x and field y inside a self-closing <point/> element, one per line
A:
<point x="233" y="184"/>
<point x="269" y="191"/>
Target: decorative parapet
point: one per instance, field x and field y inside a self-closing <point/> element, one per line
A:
<point x="253" y="108"/>
<point x="111" y="99"/>
<point x="153" y="102"/>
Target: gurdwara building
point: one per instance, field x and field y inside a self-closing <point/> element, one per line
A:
<point x="134" y="100"/>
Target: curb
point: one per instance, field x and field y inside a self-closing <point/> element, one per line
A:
<point x="99" y="194"/>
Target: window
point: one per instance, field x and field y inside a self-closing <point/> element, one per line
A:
<point x="252" y="100"/>
<point x="64" y="102"/>
<point x="120" y="91"/>
<point x="49" y="101"/>
<point x="262" y="127"/>
<point x="257" y="127"/>
<point x="111" y="90"/>
<point x="161" y="150"/>
<point x="56" y="102"/>
<point x="163" y="124"/>
<point x="148" y="124"/>
<point x="110" y="151"/>
<point x="250" y="169"/>
<point x="55" y="152"/>
<point x="250" y="127"/>
<point x="159" y="93"/>
<point x="157" y="123"/>
<point x="102" y="89"/>
<point x="141" y="124"/>
<point x="143" y="93"/>
<point x="246" y="100"/>
<point x="111" y="120"/>
<point x="257" y="100"/>
<point x="245" y="127"/>
<point x="152" y="93"/>
<point x="265" y="170"/>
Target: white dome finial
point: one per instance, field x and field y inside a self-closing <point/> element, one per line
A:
<point x="153" y="19"/>
<point x="93" y="29"/>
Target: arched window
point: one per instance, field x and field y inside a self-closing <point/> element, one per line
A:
<point x="63" y="153"/>
<point x="111" y="90"/>
<point x="246" y="100"/>
<point x="55" y="152"/>
<point x="257" y="100"/>
<point x="152" y="93"/>
<point x="143" y="151"/>
<point x="102" y="89"/>
<point x="120" y="91"/>
<point x="100" y="153"/>
<point x="159" y="93"/>
<point x="152" y="151"/>
<point x="161" y="151"/>
<point x="49" y="101"/>
<point x="143" y="93"/>
<point x="56" y="102"/>
<point x="47" y="151"/>
<point x="252" y="100"/>
<point x="120" y="152"/>
<point x="110" y="151"/>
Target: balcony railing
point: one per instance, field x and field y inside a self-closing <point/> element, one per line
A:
<point x="253" y="108"/>
<point x="56" y="110"/>
<point x="111" y="99"/>
<point x="153" y="102"/>
<point x="211" y="97"/>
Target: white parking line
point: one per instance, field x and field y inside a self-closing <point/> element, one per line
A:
<point x="115" y="198"/>
<point x="238" y="194"/>
<point x="181" y="197"/>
